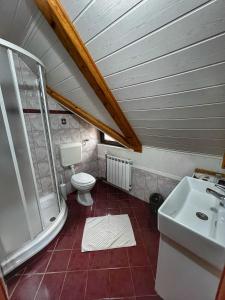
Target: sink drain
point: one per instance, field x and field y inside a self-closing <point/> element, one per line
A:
<point x="201" y="215"/>
<point x="52" y="219"/>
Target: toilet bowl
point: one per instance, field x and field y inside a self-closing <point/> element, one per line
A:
<point x="83" y="183"/>
<point x="71" y="154"/>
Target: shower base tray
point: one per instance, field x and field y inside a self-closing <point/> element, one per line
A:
<point x="31" y="248"/>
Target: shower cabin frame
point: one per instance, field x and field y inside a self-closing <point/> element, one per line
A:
<point x="46" y="235"/>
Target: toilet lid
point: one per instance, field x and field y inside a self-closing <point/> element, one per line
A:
<point x="83" y="178"/>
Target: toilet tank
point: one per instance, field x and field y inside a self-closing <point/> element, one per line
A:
<point x="70" y="154"/>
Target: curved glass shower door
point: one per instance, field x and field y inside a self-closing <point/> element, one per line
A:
<point x="31" y="212"/>
<point x="30" y="80"/>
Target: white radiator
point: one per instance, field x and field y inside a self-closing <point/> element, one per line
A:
<point x="119" y="171"/>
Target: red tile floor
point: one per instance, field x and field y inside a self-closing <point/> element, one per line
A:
<point x="61" y="271"/>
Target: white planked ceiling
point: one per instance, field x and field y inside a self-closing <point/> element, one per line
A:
<point x="164" y="61"/>
<point x="27" y="27"/>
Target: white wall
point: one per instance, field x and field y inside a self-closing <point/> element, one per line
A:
<point x="169" y="163"/>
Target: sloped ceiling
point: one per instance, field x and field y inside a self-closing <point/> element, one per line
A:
<point x="164" y="61"/>
<point x="38" y="38"/>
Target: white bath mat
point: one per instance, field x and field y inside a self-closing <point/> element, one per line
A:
<point x="108" y="232"/>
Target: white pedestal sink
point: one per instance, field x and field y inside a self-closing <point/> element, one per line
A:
<point x="192" y="250"/>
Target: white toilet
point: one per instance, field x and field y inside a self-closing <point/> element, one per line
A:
<point x="71" y="154"/>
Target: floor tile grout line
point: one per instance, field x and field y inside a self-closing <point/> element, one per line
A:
<point x="20" y="276"/>
<point x="82" y="270"/>
<point x="133" y="207"/>
<point x="144" y="245"/>
<point x="39" y="286"/>
<point x="64" y="279"/>
<point x="150" y="261"/>
<point x="155" y="294"/>
<point x="35" y="296"/>
<point x="109" y="282"/>
<point x="86" y="283"/>
<point x="67" y="271"/>
<point x="153" y="274"/>
<point x="65" y="249"/>
<point x="72" y="247"/>
<point x="25" y="274"/>
<point x="134" y="292"/>
<point x="109" y="278"/>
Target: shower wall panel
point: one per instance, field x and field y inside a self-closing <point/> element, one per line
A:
<point x="20" y="218"/>
<point x="29" y="90"/>
<point x="13" y="223"/>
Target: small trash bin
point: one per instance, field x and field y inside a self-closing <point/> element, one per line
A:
<point x="155" y="201"/>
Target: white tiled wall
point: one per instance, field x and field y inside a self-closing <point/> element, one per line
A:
<point x="144" y="183"/>
<point x="75" y="130"/>
<point x="158" y="170"/>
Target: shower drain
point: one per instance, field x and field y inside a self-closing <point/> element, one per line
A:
<point x="201" y="216"/>
<point x="52" y="219"/>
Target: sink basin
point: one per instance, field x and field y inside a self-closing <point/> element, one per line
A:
<point x="177" y="220"/>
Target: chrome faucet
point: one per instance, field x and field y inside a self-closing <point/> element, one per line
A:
<point x="219" y="196"/>
<point x="221" y="187"/>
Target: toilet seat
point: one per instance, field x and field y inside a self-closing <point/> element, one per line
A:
<point x="82" y="179"/>
<point x="83" y="182"/>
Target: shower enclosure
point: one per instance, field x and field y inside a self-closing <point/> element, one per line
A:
<point x="32" y="210"/>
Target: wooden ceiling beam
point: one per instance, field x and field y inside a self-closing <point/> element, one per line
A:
<point x="220" y="295"/>
<point x="223" y="161"/>
<point x="68" y="104"/>
<point x="66" y="32"/>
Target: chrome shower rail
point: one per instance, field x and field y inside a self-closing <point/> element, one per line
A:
<point x="20" y="50"/>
